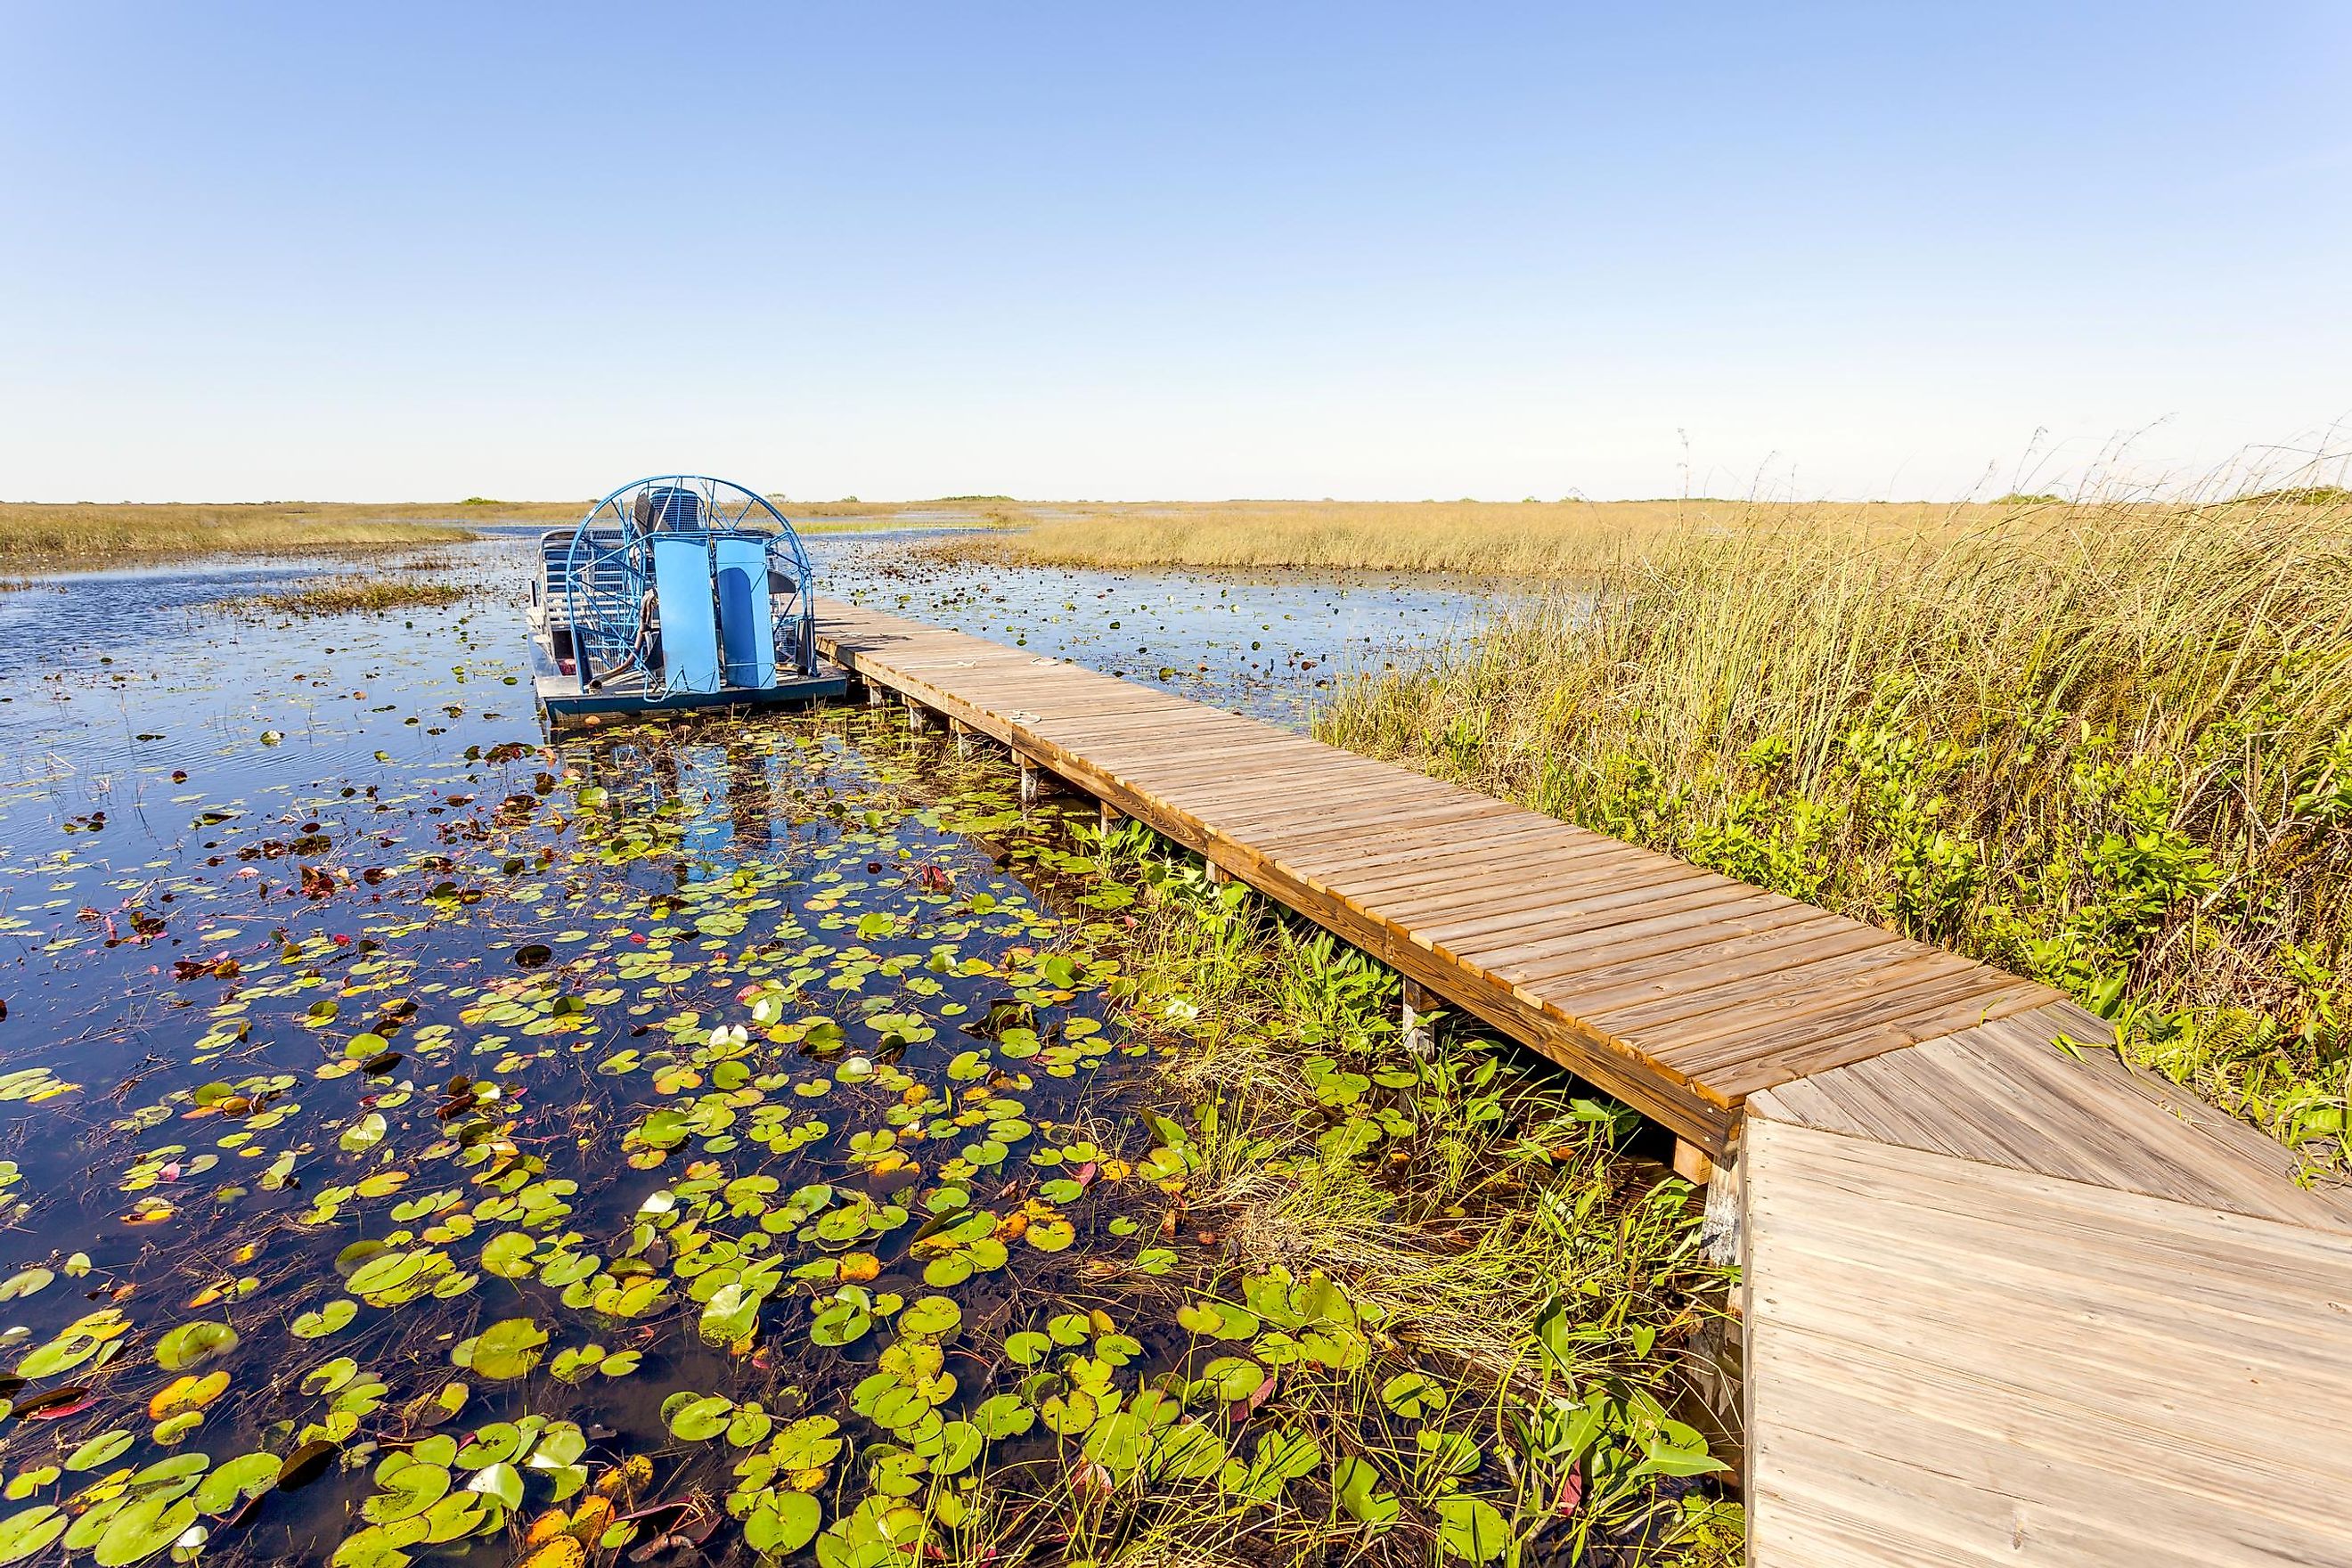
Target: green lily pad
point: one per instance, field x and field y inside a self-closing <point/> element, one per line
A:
<point x="1471" y="1527"/>
<point x="100" y="1449"/>
<point x="191" y="1344"/>
<point x="930" y="1317"/>
<point x="406" y="1493"/>
<point x="330" y="1319"/>
<point x="501" y="1481"/>
<point x="509" y="1349"/>
<point x="698" y="1418"/>
<point x="142" y="1528"/>
<point x="783" y="1523"/>
<point x="234" y="1480"/>
<point x="30" y="1530"/>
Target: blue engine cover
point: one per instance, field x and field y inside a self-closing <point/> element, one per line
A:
<point x="745" y="631"/>
<point x="689" y="628"/>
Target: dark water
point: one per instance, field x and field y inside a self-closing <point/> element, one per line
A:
<point x="518" y="1094"/>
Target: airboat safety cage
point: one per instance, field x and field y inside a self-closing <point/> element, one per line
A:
<point x="676" y="591"/>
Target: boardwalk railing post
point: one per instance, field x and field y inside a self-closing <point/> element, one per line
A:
<point x="1412" y="1025"/>
<point x="1692" y="1164"/>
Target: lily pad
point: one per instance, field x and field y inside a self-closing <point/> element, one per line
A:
<point x="508" y="1349"/>
<point x="191" y="1344"/>
<point x="234" y="1480"/>
<point x="931" y="1316"/>
<point x="30" y="1530"/>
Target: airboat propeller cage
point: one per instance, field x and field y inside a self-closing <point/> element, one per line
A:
<point x="735" y="605"/>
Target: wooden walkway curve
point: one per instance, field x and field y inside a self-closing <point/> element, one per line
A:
<point x="2003" y="1299"/>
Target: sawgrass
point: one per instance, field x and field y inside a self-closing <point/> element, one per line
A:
<point x="2109" y="747"/>
<point x="1519" y="538"/>
<point x="40" y="537"/>
<point x="348" y="596"/>
<point x="51" y="538"/>
<point x="1531" y="539"/>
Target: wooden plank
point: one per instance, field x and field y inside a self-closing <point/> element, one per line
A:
<point x="2002" y="1094"/>
<point x="1528" y="958"/>
<point x="1534" y="912"/>
<point x="1360" y="858"/>
<point x="1820" y="1049"/>
<point x="2048" y="1371"/>
<point x="1687" y="976"/>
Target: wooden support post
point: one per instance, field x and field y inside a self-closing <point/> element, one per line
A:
<point x="1413" y="1025"/>
<point x="1692" y="1164"/>
<point x="1720" y="1233"/>
<point x="1218" y="875"/>
<point x="1111" y="817"/>
<point x="963" y="733"/>
<point x="877" y="695"/>
<point x="1033" y="780"/>
<point x="918" y="718"/>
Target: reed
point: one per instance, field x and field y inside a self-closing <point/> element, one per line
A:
<point x="2109" y="747"/>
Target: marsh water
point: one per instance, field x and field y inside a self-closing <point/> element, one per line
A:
<point x="424" y="1138"/>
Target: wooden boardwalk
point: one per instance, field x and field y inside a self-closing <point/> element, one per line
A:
<point x="2003" y="1299"/>
<point x="1679" y="991"/>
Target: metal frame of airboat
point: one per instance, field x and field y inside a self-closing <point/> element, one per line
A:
<point x="734" y="596"/>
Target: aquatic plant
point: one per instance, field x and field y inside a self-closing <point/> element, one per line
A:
<point x="354" y="595"/>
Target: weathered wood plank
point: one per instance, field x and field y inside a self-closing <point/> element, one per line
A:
<point x="2048" y="1371"/>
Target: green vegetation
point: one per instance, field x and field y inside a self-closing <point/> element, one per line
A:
<point x="2108" y="748"/>
<point x="346" y="596"/>
<point x="1518" y="1274"/>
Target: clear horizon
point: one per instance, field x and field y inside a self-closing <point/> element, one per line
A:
<point x="1363" y="253"/>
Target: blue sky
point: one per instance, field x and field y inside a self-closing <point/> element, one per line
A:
<point x="1493" y="250"/>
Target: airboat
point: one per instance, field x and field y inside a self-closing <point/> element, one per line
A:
<point x="680" y="591"/>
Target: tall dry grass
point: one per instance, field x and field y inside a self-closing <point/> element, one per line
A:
<point x="2106" y="746"/>
<point x="1523" y="539"/>
<point x="40" y="537"/>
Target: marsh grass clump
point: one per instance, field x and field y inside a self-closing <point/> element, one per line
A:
<point x="2108" y="748"/>
<point x="354" y="595"/>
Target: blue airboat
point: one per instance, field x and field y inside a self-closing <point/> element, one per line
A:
<point x="678" y="590"/>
